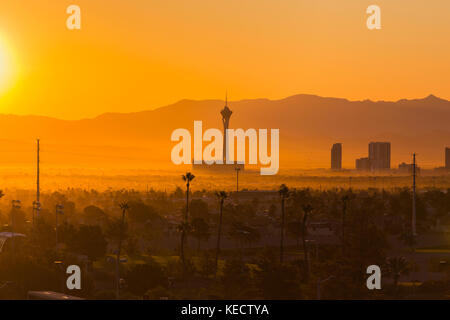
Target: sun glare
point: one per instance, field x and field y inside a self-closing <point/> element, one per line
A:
<point x="6" y="66"/>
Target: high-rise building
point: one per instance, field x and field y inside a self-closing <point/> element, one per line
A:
<point x="380" y="155"/>
<point x="447" y="158"/>
<point x="226" y="115"/>
<point x="336" y="156"/>
<point x="363" y="164"/>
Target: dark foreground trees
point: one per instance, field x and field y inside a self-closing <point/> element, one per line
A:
<point x="143" y="277"/>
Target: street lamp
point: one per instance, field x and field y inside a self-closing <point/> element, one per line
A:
<point x="36" y="210"/>
<point x="58" y="210"/>
<point x="16" y="204"/>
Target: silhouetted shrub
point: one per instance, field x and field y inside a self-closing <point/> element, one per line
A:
<point x="142" y="277"/>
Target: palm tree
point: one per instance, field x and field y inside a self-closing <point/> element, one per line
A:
<point x="221" y="195"/>
<point x="307" y="208"/>
<point x="184" y="228"/>
<point x="396" y="267"/>
<point x="284" y="193"/>
<point x="124" y="206"/>
<point x="188" y="177"/>
<point x="1" y="194"/>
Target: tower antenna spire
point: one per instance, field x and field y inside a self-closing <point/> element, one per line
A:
<point x="226" y="115"/>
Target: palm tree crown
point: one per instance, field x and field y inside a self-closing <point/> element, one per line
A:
<point x="124" y="206"/>
<point x="397" y="266"/>
<point x="283" y="191"/>
<point x="188" y="177"/>
<point x="221" y="195"/>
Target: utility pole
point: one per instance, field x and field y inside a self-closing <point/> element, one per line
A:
<point x="37" y="204"/>
<point x="414" y="196"/>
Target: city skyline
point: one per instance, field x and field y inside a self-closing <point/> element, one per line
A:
<point x="305" y="133"/>
<point x="379" y="158"/>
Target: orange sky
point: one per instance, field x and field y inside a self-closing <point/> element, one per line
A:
<point x="141" y="54"/>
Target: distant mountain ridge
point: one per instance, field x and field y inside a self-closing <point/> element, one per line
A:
<point x="308" y="126"/>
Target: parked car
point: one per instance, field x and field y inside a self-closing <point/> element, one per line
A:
<point x="10" y="241"/>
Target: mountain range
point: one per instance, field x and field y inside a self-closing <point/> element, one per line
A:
<point x="308" y="125"/>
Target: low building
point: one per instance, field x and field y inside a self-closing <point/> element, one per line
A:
<point x="407" y="168"/>
<point x="363" y="164"/>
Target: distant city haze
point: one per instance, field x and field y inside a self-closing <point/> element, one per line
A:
<point x="309" y="126"/>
